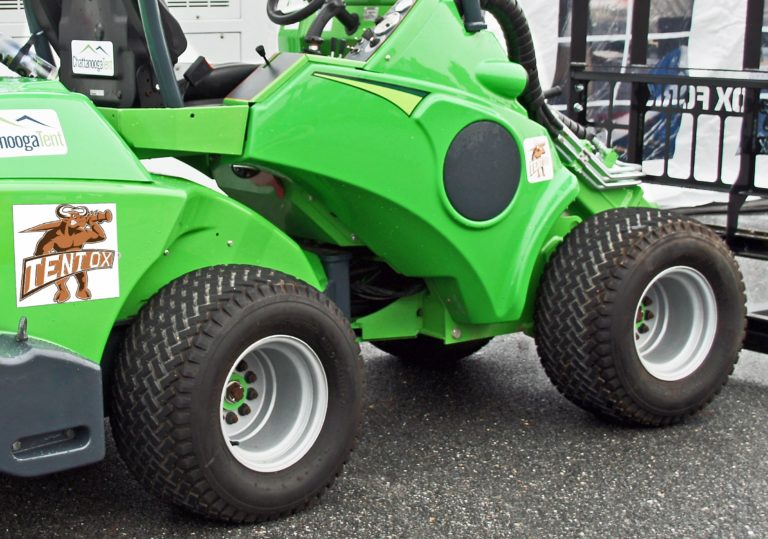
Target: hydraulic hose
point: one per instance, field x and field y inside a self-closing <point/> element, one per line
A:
<point x="520" y="49"/>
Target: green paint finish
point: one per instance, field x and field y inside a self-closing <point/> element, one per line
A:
<point x="503" y="78"/>
<point x="423" y="314"/>
<point x="385" y="185"/>
<point x="445" y="55"/>
<point x="438" y="323"/>
<point x="406" y="99"/>
<point x="172" y="132"/>
<point x="399" y="319"/>
<point x="14" y="85"/>
<point x="334" y="61"/>
<point x="352" y="170"/>
<point x="233" y="406"/>
<point x="94" y="149"/>
<point x="591" y="201"/>
<point x="300" y="211"/>
<point x="195" y="225"/>
<point x="641" y="317"/>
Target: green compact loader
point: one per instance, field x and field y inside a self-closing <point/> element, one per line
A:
<point x="393" y="175"/>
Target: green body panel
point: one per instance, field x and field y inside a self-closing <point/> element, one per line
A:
<point x="179" y="132"/>
<point x="385" y="185"/>
<point x="345" y="154"/>
<point x="450" y="61"/>
<point x="166" y="227"/>
<point x="94" y="149"/>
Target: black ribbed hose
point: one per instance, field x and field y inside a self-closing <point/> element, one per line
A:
<point x="520" y="49"/>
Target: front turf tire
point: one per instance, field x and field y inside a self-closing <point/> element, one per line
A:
<point x="173" y="379"/>
<point x="597" y="341"/>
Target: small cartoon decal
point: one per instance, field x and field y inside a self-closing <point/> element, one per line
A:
<point x="538" y="159"/>
<point x="59" y="256"/>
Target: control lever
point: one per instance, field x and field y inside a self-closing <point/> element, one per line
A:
<point x="351" y="21"/>
<point x="197" y="71"/>
<point x="370" y="37"/>
<point x="331" y="9"/>
<point x="338" y="47"/>
<point x="473" y="16"/>
<point x="261" y="51"/>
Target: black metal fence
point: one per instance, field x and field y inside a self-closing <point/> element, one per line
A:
<point x="656" y="100"/>
<point x="642" y="104"/>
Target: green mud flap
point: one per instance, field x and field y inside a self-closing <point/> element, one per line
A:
<point x="51" y="409"/>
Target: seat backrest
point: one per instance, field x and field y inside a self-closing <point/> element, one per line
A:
<point x="103" y="49"/>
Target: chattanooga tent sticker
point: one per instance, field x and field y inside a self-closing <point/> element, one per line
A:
<point x="93" y="58"/>
<point x="65" y="253"/>
<point x="31" y="133"/>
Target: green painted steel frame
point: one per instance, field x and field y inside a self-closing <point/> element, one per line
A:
<point x="166" y="226"/>
<point x="358" y="149"/>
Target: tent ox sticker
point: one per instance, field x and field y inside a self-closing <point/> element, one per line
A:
<point x="538" y="159"/>
<point x="65" y="253"/>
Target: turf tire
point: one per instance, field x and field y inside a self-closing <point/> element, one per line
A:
<point x="588" y="298"/>
<point x="168" y="381"/>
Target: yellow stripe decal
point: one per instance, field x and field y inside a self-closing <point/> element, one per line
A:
<point x="407" y="102"/>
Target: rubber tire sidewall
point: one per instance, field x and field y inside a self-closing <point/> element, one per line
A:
<point x="675" y="398"/>
<point x="310" y="475"/>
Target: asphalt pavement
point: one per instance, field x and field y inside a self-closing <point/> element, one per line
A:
<point x="486" y="449"/>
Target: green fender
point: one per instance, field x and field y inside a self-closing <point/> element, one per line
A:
<point x="213" y="230"/>
<point x="58" y="149"/>
<point x="163" y="228"/>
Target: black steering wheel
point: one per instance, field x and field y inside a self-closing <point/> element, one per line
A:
<point x="278" y="17"/>
<point x="330" y="9"/>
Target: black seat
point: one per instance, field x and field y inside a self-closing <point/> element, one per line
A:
<point x="129" y="81"/>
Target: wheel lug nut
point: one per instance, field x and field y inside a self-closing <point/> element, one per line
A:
<point x="250" y="377"/>
<point x="231" y="418"/>
<point x="234" y="392"/>
<point x="252" y="394"/>
<point x="244" y="409"/>
<point x="241" y="366"/>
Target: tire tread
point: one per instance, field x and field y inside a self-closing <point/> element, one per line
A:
<point x="157" y="368"/>
<point x="577" y="293"/>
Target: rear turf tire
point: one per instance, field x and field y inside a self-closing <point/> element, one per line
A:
<point x="428" y="350"/>
<point x="599" y="339"/>
<point x="173" y="380"/>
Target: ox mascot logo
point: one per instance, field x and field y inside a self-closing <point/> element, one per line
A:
<point x="61" y="255"/>
<point x="538" y="157"/>
<point x="537" y="161"/>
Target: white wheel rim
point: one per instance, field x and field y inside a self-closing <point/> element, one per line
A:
<point x="675" y="323"/>
<point x="283" y="386"/>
